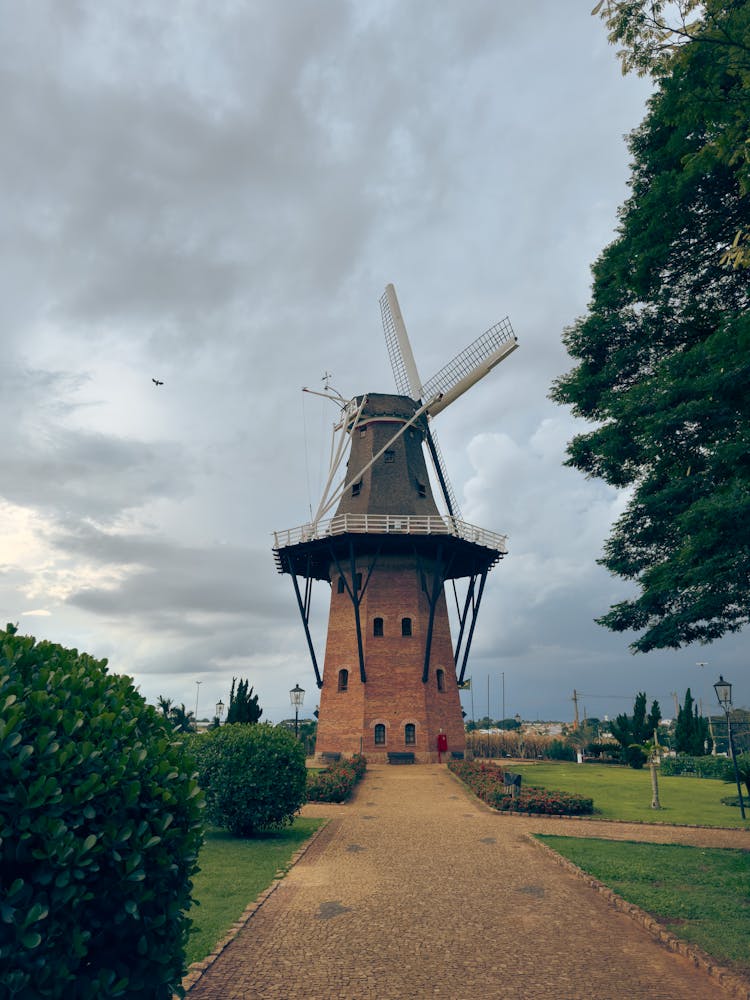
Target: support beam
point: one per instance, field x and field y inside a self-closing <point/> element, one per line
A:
<point x="304" y="610"/>
<point x="475" y="612"/>
<point x="433" y="596"/>
<point x="463" y="616"/>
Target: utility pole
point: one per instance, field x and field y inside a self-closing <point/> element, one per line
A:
<point x="575" y="703"/>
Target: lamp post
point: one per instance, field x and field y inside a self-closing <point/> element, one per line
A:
<point x="723" y="691"/>
<point x="297" y="696"/>
<point x="219" y="710"/>
<point x="197" y="692"/>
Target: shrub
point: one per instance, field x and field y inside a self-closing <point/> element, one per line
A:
<point x="100" y="827"/>
<point x="720" y="768"/>
<point x="336" y="783"/>
<point x="486" y="781"/>
<point x="635" y="756"/>
<point x="253" y="776"/>
<point x="560" y="750"/>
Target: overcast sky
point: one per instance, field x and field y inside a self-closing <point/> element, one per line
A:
<point x="215" y="195"/>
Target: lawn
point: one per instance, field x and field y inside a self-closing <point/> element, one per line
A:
<point x="233" y="873"/>
<point x="701" y="894"/>
<point x="624" y="793"/>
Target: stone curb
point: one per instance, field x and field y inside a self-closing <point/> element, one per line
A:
<point x="727" y="979"/>
<point x="197" y="969"/>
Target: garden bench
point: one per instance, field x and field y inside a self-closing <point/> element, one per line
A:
<point x="331" y="757"/>
<point x="400" y="757"/>
<point x="457" y="755"/>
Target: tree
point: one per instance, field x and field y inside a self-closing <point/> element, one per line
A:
<point x="182" y="719"/>
<point x="632" y="732"/>
<point x="243" y="704"/>
<point x="691" y="730"/>
<point x="658" y="37"/>
<point x="663" y="354"/>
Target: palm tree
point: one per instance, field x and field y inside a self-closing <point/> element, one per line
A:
<point x="165" y="704"/>
<point x="182" y="720"/>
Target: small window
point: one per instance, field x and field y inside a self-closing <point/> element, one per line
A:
<point x="440" y="677"/>
<point x="389" y="456"/>
<point x="406" y="626"/>
<point x="377" y="626"/>
<point x="410" y="734"/>
<point x="357" y="489"/>
<point x="380" y="734"/>
<point x="343" y="680"/>
<point x="340" y="585"/>
<point x="357" y="581"/>
<point x="421" y="489"/>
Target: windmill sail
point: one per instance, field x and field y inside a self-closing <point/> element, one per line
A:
<point x="471" y="365"/>
<point x="399" y="349"/>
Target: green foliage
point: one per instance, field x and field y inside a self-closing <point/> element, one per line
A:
<point x="560" y="750"/>
<point x="253" y="776"/>
<point x="486" y="781"/>
<point x="336" y="782"/>
<point x="633" y="731"/>
<point x="698" y="767"/>
<point x="691" y="730"/>
<point x="100" y="827"/>
<point x="243" y="704"/>
<point x="663" y="354"/>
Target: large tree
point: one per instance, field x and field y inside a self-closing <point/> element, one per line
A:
<point x="691" y="734"/>
<point x="663" y="354"/>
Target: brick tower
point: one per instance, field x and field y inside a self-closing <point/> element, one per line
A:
<point x="391" y="676"/>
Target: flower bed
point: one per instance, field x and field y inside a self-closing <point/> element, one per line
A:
<point x="486" y="781"/>
<point x="336" y="783"/>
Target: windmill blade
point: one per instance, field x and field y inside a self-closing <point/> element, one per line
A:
<point x="442" y="474"/>
<point x="399" y="349"/>
<point x="471" y="365"/>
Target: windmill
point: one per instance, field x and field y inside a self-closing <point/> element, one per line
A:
<point x="391" y="675"/>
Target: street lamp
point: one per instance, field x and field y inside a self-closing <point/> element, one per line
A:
<point x="297" y="696"/>
<point x="723" y="691"/>
<point x="219" y="710"/>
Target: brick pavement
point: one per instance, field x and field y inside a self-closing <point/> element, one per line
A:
<point x="416" y="890"/>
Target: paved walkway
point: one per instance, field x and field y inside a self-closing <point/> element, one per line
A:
<point x="416" y="890"/>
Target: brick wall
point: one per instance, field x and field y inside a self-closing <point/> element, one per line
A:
<point x="394" y="695"/>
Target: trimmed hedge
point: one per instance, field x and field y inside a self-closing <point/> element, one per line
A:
<point x="336" y="783"/>
<point x="720" y="768"/>
<point x="100" y="828"/>
<point x="253" y="776"/>
<point x="486" y="781"/>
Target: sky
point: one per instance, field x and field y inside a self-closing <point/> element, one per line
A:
<point x="215" y="196"/>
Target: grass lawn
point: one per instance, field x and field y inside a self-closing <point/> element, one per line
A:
<point x="624" y="793"/>
<point x="233" y="873"/>
<point x="701" y="894"/>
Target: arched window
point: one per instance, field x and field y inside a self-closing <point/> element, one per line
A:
<point x="340" y="585"/>
<point x="440" y="677"/>
<point x="406" y="626"/>
<point x="379" y="734"/>
<point x="410" y="734"/>
<point x="343" y="680"/>
<point x="377" y="626"/>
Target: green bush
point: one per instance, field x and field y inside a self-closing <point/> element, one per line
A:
<point x="560" y="750"/>
<point x="100" y="828"/>
<point x="253" y="776"/>
<point x="336" y="783"/>
<point x="720" y="768"/>
<point x="635" y="756"/>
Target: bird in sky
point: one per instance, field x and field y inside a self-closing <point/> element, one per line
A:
<point x="156" y="381"/>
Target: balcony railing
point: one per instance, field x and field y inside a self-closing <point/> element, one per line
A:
<point x="389" y="524"/>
